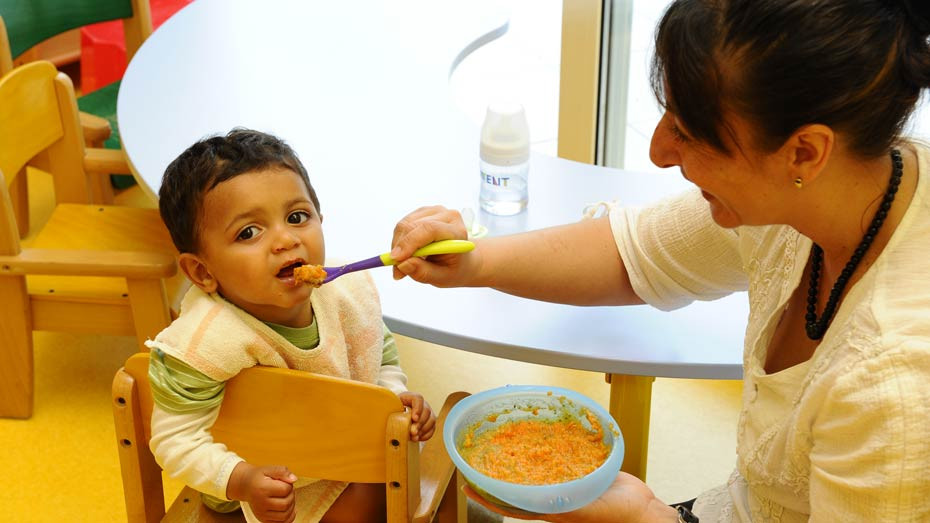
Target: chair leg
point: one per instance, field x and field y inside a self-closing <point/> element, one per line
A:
<point x="454" y="507"/>
<point x="16" y="359"/>
<point x="150" y="312"/>
<point x="142" y="485"/>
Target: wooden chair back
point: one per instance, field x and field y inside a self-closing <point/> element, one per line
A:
<point x="319" y="426"/>
<point x="30" y="22"/>
<point x="39" y="126"/>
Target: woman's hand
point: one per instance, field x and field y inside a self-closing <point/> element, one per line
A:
<point x="424" y="226"/>
<point x="269" y="491"/>
<point x="423" y="420"/>
<point x="627" y="500"/>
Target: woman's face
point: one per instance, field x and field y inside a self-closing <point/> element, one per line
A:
<point x="742" y="187"/>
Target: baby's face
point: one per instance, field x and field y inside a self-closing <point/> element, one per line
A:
<point x="254" y="229"/>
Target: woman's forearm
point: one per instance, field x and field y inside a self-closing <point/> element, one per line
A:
<point x="576" y="264"/>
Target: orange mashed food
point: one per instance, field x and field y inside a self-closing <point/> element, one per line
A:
<point x="310" y="274"/>
<point x="536" y="452"/>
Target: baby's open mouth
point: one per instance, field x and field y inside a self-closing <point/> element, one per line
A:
<point x="288" y="270"/>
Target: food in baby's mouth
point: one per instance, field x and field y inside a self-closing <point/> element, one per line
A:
<point x="310" y="274"/>
<point x="536" y="452"/>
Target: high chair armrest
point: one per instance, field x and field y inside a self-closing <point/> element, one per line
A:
<point x="96" y="130"/>
<point x="436" y="468"/>
<point x="105" y="161"/>
<point x="68" y="262"/>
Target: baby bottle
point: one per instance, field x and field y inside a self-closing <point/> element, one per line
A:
<point x="505" y="156"/>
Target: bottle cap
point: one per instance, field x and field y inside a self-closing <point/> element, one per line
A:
<point x="505" y="135"/>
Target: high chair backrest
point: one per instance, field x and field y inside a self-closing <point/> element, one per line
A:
<point x="29" y="22"/>
<point x="39" y="125"/>
<point x="319" y="426"/>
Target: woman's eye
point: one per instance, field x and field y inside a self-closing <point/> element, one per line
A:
<point x="247" y="233"/>
<point x="298" y="217"/>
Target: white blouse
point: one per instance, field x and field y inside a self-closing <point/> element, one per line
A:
<point x="844" y="436"/>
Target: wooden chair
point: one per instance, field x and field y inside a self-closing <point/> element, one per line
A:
<point x="91" y="268"/>
<point x="319" y="426"/>
<point x="23" y="24"/>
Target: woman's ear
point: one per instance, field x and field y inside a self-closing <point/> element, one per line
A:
<point x="808" y="151"/>
<point x="197" y="272"/>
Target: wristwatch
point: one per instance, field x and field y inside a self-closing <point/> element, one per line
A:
<point x="685" y="515"/>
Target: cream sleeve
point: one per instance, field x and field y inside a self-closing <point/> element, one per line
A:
<point x="183" y="446"/>
<point x="393" y="377"/>
<point x="675" y="253"/>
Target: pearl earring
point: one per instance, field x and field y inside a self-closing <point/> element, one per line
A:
<point x="798" y="182"/>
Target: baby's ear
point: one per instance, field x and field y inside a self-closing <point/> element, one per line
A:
<point x="197" y="272"/>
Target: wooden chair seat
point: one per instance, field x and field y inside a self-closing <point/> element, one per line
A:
<point x="127" y="228"/>
<point x="102" y="228"/>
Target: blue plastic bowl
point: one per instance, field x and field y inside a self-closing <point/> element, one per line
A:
<point x="517" y="402"/>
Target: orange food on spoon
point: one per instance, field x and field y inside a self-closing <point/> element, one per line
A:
<point x="310" y="274"/>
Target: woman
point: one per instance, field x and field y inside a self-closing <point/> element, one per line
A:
<point x="787" y="116"/>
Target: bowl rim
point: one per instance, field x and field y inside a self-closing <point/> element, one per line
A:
<point x="616" y="453"/>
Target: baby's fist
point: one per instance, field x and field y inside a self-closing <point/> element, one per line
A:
<point x="422" y="418"/>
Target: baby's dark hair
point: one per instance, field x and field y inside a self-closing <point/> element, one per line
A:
<point x="210" y="162"/>
<point x="855" y="66"/>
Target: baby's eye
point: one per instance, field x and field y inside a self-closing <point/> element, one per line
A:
<point x="298" y="217"/>
<point x="247" y="233"/>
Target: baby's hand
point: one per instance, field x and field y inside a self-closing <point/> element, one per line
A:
<point x="422" y="417"/>
<point x="269" y="490"/>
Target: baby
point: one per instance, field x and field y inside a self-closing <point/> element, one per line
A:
<point x="242" y="212"/>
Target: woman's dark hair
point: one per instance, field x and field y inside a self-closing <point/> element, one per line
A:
<point x="857" y="66"/>
<point x="210" y="162"/>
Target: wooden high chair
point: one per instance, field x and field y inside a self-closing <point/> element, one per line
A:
<point x="318" y="426"/>
<point x="91" y="268"/>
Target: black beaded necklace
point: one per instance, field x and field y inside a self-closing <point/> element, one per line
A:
<point x="816" y="328"/>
